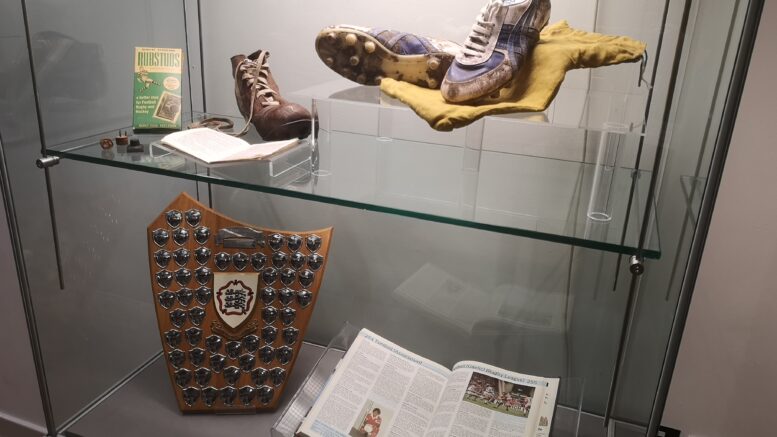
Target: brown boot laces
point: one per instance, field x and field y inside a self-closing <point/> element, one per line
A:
<point x="256" y="73"/>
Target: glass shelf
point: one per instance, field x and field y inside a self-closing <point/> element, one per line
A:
<point x="522" y="195"/>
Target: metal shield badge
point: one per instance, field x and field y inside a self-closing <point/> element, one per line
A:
<point x="224" y="291"/>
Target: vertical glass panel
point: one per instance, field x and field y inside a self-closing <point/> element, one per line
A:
<point x="101" y="326"/>
<point x="711" y="48"/>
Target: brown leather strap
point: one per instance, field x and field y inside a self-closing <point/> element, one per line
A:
<point x="216" y="123"/>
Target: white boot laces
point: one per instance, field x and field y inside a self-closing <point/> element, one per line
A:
<point x="480" y="35"/>
<point x="256" y="73"/>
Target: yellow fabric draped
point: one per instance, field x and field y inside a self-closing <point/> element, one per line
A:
<point x="560" y="49"/>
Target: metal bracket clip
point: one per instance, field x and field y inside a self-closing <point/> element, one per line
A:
<point x="47" y="162"/>
<point x="637" y="265"/>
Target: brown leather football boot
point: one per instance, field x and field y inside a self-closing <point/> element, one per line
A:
<point x="260" y="101"/>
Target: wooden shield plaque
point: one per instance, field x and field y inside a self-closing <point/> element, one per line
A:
<point x="233" y="302"/>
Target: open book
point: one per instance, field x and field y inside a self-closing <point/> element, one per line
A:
<point x="212" y="147"/>
<point x="380" y="389"/>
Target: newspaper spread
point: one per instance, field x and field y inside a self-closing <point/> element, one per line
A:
<point x="380" y="389"/>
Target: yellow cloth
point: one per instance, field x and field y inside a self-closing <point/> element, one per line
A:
<point x="560" y="49"/>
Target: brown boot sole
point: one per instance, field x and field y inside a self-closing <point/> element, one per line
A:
<point x="359" y="57"/>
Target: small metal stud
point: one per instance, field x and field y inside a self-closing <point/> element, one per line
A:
<point x="178" y="318"/>
<point x="183" y="377"/>
<point x="176" y="358"/>
<point x="251" y="343"/>
<point x="162" y="258"/>
<point x="213" y="343"/>
<point x="202" y="255"/>
<point x="269" y="315"/>
<point x="201" y="235"/>
<point x="203" y="275"/>
<point x="217" y="362"/>
<point x="277" y="375"/>
<point x="202" y="376"/>
<point x="315" y="261"/>
<point x="247" y="394"/>
<point x="234" y="348"/>
<point x="181" y="256"/>
<point x="266" y="354"/>
<point x="180" y="236"/>
<point x="288" y="315"/>
<point x="258" y="260"/>
<point x="279" y="259"/>
<point x="269" y="334"/>
<point x="185" y="296"/>
<point x="204" y="295"/>
<point x="193" y="217"/>
<point x="194" y="336"/>
<point x="183" y="277"/>
<point x="240" y="261"/>
<point x="164" y="278"/>
<point x="294" y="243"/>
<point x="269" y="275"/>
<point x="197" y="357"/>
<point x="228" y="395"/>
<point x="160" y="237"/>
<point x="297" y="260"/>
<point x="246" y="362"/>
<point x="275" y="241"/>
<point x="209" y="395"/>
<point x="222" y="260"/>
<point x="268" y="295"/>
<point x="288" y="276"/>
<point x="190" y="395"/>
<point x="306" y="278"/>
<point x="284" y="354"/>
<point x="259" y="376"/>
<point x="351" y="39"/>
<point x="369" y="47"/>
<point x="304" y="298"/>
<point x="231" y="375"/>
<point x="174" y="218"/>
<point x="166" y="299"/>
<point x="173" y="338"/>
<point x="313" y="243"/>
<point x="265" y="394"/>
<point x="290" y="335"/>
<point x="197" y="315"/>
<point x="286" y="296"/>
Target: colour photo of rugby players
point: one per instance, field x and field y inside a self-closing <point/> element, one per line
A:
<point x="498" y="395"/>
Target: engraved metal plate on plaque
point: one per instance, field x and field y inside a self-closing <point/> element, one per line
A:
<point x="233" y="302"/>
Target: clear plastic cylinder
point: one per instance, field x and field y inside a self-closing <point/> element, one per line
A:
<point x="600" y="204"/>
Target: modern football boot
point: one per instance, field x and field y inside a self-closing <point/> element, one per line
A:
<point x="366" y="55"/>
<point x="497" y="48"/>
<point x="260" y="101"/>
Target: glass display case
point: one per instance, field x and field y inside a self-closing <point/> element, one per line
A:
<point x="552" y="243"/>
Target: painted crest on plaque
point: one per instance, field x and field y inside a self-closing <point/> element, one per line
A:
<point x="235" y="296"/>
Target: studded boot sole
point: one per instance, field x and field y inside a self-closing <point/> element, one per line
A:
<point x="362" y="58"/>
